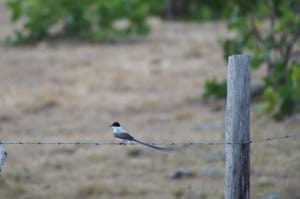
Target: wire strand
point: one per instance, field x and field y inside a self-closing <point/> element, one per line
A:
<point x="153" y="143"/>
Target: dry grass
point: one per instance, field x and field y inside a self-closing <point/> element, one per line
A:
<point x="73" y="92"/>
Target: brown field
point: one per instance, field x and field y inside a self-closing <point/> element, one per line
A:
<point x="68" y="91"/>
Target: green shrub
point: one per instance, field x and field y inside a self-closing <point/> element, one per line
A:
<point x="94" y="20"/>
<point x="282" y="93"/>
<point x="193" y="10"/>
<point x="270" y="32"/>
<point x="100" y="20"/>
<point x="215" y="89"/>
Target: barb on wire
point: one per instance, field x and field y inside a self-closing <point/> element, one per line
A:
<point x="185" y="144"/>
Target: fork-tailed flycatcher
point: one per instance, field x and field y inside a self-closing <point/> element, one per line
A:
<point x="120" y="133"/>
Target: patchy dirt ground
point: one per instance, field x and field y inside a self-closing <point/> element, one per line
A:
<point x="72" y="92"/>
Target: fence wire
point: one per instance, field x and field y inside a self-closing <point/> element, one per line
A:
<point x="191" y="143"/>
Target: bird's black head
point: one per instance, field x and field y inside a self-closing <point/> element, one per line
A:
<point x="116" y="124"/>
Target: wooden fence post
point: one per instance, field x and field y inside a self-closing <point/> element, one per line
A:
<point x="237" y="160"/>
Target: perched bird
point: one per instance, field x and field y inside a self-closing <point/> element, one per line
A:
<point x="3" y="155"/>
<point x="120" y="133"/>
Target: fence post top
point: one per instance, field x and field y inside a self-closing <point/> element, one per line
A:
<point x="239" y="55"/>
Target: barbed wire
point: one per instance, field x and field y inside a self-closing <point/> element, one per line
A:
<point x="100" y="143"/>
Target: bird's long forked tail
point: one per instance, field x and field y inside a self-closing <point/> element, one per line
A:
<point x="153" y="146"/>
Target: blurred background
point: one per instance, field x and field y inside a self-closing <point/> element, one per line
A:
<point x="70" y="68"/>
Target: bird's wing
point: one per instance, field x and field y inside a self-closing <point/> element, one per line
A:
<point x="124" y="136"/>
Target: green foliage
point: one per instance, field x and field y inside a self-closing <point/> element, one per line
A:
<point x="264" y="31"/>
<point x="270" y="32"/>
<point x="215" y="89"/>
<point x="271" y="101"/>
<point x="95" y="20"/>
<point x="192" y="10"/>
<point x="282" y="95"/>
<point x="100" y="20"/>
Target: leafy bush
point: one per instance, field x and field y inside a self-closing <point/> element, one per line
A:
<point x="193" y="10"/>
<point x="270" y="32"/>
<point x="100" y="20"/>
<point x="215" y="89"/>
<point x="282" y="93"/>
<point x="95" y="20"/>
